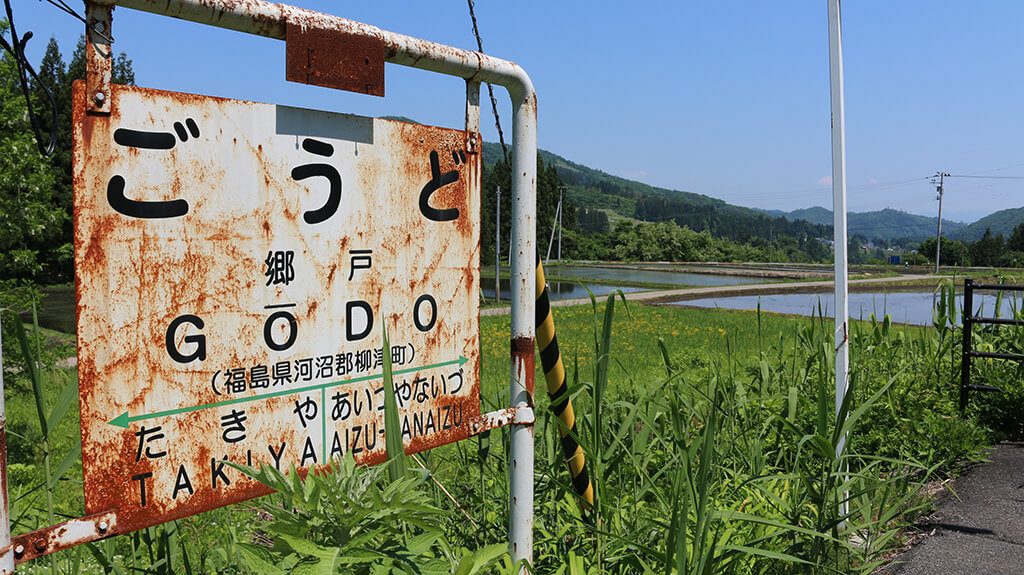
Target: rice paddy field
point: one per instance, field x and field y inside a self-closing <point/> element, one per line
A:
<point x="710" y="436"/>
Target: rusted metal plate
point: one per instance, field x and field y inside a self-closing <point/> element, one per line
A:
<point x="236" y="263"/>
<point x="335" y="59"/>
<point x="63" y="535"/>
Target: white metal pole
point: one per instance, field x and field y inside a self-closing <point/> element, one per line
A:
<point x="497" y="250"/>
<point x="842" y="310"/>
<point x="524" y="270"/>
<point x="6" y="553"/>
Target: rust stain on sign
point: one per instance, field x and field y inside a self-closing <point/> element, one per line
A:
<point x="236" y="263"/>
<point x="335" y="59"/>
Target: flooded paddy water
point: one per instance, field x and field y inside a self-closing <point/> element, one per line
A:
<point x="604" y="280"/>
<point x="910" y="307"/>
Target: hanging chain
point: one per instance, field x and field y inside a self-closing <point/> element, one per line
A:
<point x="490" y="89"/>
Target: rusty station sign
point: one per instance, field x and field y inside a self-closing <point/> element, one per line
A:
<point x="236" y="264"/>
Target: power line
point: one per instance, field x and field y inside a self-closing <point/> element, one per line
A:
<point x="63" y="7"/>
<point x="996" y="169"/>
<point x="871" y="187"/>
<point x="874" y="187"/>
<point x="811" y="192"/>
<point x="988" y="177"/>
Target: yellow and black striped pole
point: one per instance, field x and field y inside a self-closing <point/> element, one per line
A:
<point x="558" y="392"/>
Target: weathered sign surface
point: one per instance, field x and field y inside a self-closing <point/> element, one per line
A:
<point x="236" y="264"/>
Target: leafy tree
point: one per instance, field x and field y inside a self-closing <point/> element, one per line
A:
<point x="1016" y="241"/>
<point x="499" y="175"/>
<point x="593" y="221"/>
<point x="548" y="184"/>
<point x="854" y="253"/>
<point x="954" y="252"/>
<point x="987" y="250"/>
<point x="29" y="217"/>
<point x="56" y="78"/>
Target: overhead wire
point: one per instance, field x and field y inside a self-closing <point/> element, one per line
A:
<point x="996" y="169"/>
<point x="810" y="192"/>
<point x="988" y="177"/>
<point x="64" y="7"/>
<point x="873" y="187"/>
<point x="16" y="48"/>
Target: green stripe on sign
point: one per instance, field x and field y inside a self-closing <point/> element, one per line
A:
<point x="125" y="419"/>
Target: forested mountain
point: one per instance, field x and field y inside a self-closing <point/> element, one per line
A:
<point x="887" y="224"/>
<point x="1001" y="223"/>
<point x="815" y="215"/>
<point x="602" y="199"/>
<point x="591" y="189"/>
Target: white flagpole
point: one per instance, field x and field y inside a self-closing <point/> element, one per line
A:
<point x="842" y="310"/>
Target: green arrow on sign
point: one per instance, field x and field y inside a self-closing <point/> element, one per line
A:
<point x="124" y="419"/>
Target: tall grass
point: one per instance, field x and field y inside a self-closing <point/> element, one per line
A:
<point x="711" y="458"/>
<point x="157" y="550"/>
<point x="728" y="463"/>
<point x="33" y="370"/>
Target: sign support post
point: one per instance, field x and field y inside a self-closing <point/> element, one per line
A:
<point x="523" y="298"/>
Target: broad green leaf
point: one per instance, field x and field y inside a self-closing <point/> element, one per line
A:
<point x="67" y="397"/>
<point x="398" y="467"/>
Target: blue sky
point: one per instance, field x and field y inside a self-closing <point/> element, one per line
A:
<point x="728" y="99"/>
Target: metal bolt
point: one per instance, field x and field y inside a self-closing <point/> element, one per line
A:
<point x="102" y="526"/>
<point x="19" y="550"/>
<point x="99" y="97"/>
<point x="40" y="544"/>
<point x="99" y="27"/>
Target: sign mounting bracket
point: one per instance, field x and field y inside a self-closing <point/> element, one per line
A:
<point x="99" y="55"/>
<point x="334" y="58"/>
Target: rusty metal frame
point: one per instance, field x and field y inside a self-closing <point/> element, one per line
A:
<point x="272" y="20"/>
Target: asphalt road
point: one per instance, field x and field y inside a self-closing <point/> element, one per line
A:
<point x="978" y="529"/>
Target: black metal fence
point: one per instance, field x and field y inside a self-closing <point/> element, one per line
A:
<point x="969" y="320"/>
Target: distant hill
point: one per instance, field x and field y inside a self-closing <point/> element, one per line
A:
<point x="605" y="184"/>
<point x="1001" y="222"/>
<point x="815" y="215"/>
<point x="890" y="224"/>
<point x="628" y="199"/>
<point x="591" y="188"/>
<point x="887" y="224"/>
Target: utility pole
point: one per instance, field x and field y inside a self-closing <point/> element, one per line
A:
<point x="497" y="250"/>
<point x="560" y="190"/>
<point x="938" y="230"/>
<point x="554" y="226"/>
